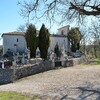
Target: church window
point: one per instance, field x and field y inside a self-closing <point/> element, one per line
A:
<point x="62" y="32"/>
<point x="17" y="39"/>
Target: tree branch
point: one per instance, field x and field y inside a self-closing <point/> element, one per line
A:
<point x="82" y="11"/>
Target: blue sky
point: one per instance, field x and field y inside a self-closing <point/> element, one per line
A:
<point x="10" y="18"/>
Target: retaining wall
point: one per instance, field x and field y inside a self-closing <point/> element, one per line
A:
<point x="73" y="61"/>
<point x="33" y="69"/>
<point x="6" y="76"/>
<point x="9" y="75"/>
<point x="80" y="60"/>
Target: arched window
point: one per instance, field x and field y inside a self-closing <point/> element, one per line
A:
<point x="62" y="32"/>
<point x="17" y="39"/>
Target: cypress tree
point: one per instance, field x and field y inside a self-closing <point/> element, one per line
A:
<point x="31" y="39"/>
<point x="74" y="37"/>
<point x="44" y="41"/>
<point x="57" y="50"/>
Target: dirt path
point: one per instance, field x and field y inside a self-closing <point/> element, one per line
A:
<point x="73" y="83"/>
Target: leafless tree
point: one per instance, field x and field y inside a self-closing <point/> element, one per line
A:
<point x="84" y="39"/>
<point x="65" y="9"/>
<point x="22" y="28"/>
<point x="95" y="30"/>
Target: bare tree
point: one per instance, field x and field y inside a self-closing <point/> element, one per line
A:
<point x="95" y="30"/>
<point x="65" y="9"/>
<point x="83" y="42"/>
<point x="23" y="28"/>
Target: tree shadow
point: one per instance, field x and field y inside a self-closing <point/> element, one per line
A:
<point x="86" y="92"/>
<point x="64" y="97"/>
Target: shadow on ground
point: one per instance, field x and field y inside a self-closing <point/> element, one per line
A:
<point x="87" y="92"/>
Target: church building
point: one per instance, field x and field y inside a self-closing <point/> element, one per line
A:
<point x="15" y="41"/>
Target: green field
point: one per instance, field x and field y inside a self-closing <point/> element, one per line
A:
<point x="13" y="96"/>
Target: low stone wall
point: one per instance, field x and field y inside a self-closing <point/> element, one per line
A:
<point x="33" y="69"/>
<point x="35" y="60"/>
<point x="73" y="61"/>
<point x="6" y="76"/>
<point x="9" y="75"/>
<point x="80" y="60"/>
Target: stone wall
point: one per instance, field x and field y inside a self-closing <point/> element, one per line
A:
<point x="9" y="75"/>
<point x="32" y="69"/>
<point x="35" y="60"/>
<point x="6" y="76"/>
<point x="73" y="61"/>
<point x="80" y="60"/>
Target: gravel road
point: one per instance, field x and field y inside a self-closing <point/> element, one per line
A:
<point x="72" y="83"/>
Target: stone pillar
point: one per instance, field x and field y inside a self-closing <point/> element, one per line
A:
<point x="62" y="60"/>
<point x="27" y="51"/>
<point x="3" y="64"/>
<point x="53" y="62"/>
<point x="23" y="59"/>
<point x="14" y="62"/>
<point x="52" y="59"/>
<point x="38" y="53"/>
<point x="29" y="55"/>
<point x="51" y="56"/>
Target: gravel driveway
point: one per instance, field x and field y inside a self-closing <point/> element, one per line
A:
<point x="72" y="83"/>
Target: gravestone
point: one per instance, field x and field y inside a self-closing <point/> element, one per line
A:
<point x="37" y="53"/>
<point x="1" y="64"/>
<point x="52" y="58"/>
<point x="23" y="59"/>
<point x="27" y="53"/>
<point x="63" y="55"/>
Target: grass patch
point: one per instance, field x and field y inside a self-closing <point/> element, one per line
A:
<point x="13" y="96"/>
<point x="92" y="62"/>
<point x="97" y="61"/>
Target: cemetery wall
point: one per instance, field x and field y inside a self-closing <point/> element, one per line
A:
<point x="6" y="76"/>
<point x="9" y="75"/>
<point x="33" y="69"/>
<point x="73" y="61"/>
<point x="80" y="60"/>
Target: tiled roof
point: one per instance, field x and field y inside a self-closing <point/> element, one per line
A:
<point x="23" y="33"/>
<point x="14" y="33"/>
<point x="63" y="27"/>
<point x="57" y="35"/>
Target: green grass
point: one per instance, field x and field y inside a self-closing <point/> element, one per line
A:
<point x="13" y="96"/>
<point x="92" y="62"/>
<point x="97" y="60"/>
